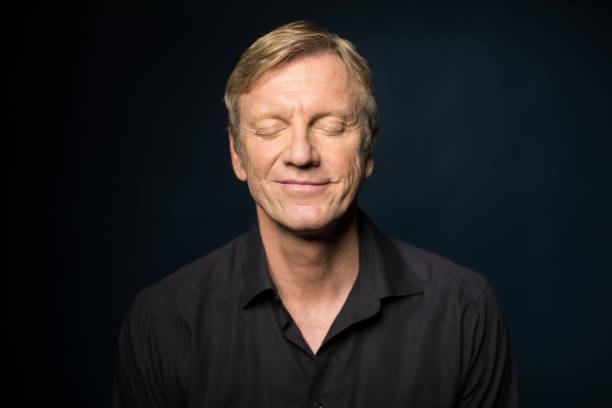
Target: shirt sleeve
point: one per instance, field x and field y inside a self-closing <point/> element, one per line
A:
<point x="145" y="374"/>
<point x="489" y="378"/>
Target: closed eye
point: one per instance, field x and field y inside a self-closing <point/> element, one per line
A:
<point x="268" y="131"/>
<point x="332" y="131"/>
<point x="331" y="125"/>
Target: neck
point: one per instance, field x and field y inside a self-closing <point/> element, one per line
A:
<point x="312" y="268"/>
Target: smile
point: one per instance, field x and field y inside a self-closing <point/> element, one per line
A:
<point x="306" y="187"/>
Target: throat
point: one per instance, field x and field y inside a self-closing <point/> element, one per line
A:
<point x="314" y="322"/>
<point x="313" y="276"/>
<point x="311" y="271"/>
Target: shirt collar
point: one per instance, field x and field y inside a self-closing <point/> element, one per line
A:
<point x="382" y="271"/>
<point x="257" y="281"/>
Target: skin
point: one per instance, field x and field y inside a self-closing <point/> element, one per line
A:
<point x="302" y="157"/>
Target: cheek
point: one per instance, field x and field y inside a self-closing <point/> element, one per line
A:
<point x="353" y="163"/>
<point x="349" y="165"/>
<point x="259" y="161"/>
<point x="356" y="172"/>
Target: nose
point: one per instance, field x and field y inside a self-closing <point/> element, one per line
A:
<point x="300" y="151"/>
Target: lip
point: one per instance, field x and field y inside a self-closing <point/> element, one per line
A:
<point x="302" y="186"/>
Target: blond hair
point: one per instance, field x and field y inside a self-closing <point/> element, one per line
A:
<point x="291" y="41"/>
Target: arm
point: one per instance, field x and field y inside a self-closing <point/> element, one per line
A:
<point x="489" y="377"/>
<point x="145" y="373"/>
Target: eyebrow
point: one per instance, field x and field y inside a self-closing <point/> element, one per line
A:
<point x="349" y="118"/>
<point x="337" y="114"/>
<point x="346" y="116"/>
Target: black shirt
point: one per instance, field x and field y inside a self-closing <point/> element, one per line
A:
<point x="416" y="330"/>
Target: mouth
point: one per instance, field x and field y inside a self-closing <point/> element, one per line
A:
<point x="302" y="186"/>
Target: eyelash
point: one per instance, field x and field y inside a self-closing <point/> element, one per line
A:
<point x="334" y="131"/>
<point x="272" y="132"/>
<point x="267" y="132"/>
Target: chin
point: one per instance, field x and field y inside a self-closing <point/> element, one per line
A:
<point x="305" y="220"/>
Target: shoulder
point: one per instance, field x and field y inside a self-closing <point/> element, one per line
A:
<point x="449" y="291"/>
<point x="218" y="270"/>
<point x="437" y="273"/>
<point x="429" y="272"/>
<point x="155" y="341"/>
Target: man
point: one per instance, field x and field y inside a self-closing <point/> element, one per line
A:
<point x="314" y="306"/>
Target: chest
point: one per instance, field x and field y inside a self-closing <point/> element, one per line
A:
<point x="377" y="361"/>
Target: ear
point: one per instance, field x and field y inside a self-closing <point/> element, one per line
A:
<point x="237" y="162"/>
<point x="370" y="156"/>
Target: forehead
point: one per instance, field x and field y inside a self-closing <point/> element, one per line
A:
<point x="309" y="84"/>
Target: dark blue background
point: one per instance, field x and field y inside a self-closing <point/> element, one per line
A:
<point x="494" y="152"/>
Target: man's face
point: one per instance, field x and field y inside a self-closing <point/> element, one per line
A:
<point x="301" y="143"/>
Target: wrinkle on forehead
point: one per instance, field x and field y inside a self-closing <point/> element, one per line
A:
<point x="295" y="68"/>
<point x="295" y="87"/>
